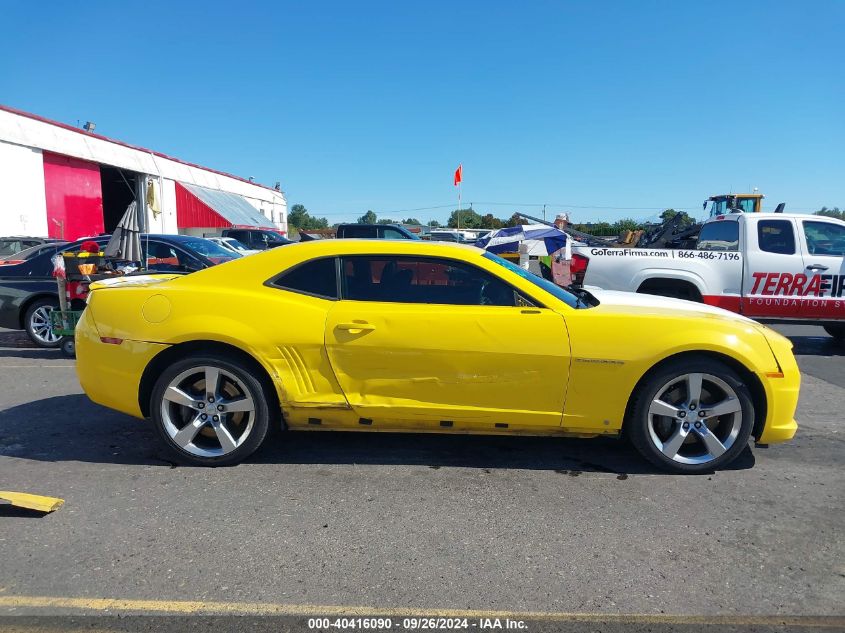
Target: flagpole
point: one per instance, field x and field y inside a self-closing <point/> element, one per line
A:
<point x="460" y="184"/>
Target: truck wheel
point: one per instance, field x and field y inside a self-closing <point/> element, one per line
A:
<point x="691" y="416"/>
<point x="837" y="331"/>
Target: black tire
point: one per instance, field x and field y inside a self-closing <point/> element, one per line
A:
<point x="638" y="425"/>
<point x="244" y="379"/>
<point x="837" y="331"/>
<point x="68" y="346"/>
<point x="35" y="310"/>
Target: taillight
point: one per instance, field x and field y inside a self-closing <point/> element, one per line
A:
<point x="578" y="268"/>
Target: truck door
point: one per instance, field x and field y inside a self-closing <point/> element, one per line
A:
<point x="774" y="277"/>
<point x="824" y="266"/>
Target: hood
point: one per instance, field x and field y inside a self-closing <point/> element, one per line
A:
<point x="666" y="306"/>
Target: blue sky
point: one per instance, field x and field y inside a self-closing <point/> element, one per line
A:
<point x="634" y="106"/>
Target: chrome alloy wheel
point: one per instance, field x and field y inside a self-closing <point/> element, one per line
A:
<point x="694" y="418"/>
<point x="207" y="412"/>
<point x="42" y="327"/>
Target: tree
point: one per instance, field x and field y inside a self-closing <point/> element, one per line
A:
<point x="831" y="213"/>
<point x="465" y="219"/>
<point x="368" y="218"/>
<point x="488" y="221"/>
<point x="434" y="224"/>
<point x="515" y="220"/>
<point x="411" y="221"/>
<point x="299" y="218"/>
<point x="626" y="224"/>
<point x="685" y="220"/>
<point x="387" y="221"/>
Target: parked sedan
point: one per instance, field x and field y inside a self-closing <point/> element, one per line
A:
<point x="231" y="244"/>
<point x="28" y="291"/>
<point x="12" y="245"/>
<point x="414" y="336"/>
<point x="29" y="253"/>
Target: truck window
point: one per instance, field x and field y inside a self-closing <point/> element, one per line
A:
<point x="367" y="231"/>
<point x="719" y="236"/>
<point x="392" y="234"/>
<point x="746" y="204"/>
<point x="824" y="238"/>
<point x="776" y="236"/>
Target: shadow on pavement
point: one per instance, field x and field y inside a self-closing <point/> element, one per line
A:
<point x="817" y="346"/>
<point x="7" y="510"/>
<point x="72" y="428"/>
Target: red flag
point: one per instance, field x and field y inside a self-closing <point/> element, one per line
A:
<point x="459" y="172"/>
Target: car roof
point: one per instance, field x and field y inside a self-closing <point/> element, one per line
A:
<point x="318" y="248"/>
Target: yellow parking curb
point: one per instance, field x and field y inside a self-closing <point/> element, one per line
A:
<point x="32" y="502"/>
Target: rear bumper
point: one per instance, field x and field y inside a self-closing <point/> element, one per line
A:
<point x="111" y="374"/>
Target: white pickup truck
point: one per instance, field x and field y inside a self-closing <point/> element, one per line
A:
<point x="770" y="267"/>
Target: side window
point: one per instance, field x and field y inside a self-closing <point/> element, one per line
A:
<point x="360" y="231"/>
<point x="747" y="205"/>
<point x="317" y="277"/>
<point x="421" y="280"/>
<point x="392" y="234"/>
<point x="824" y="238"/>
<point x="719" y="236"/>
<point x="776" y="236"/>
<point x="163" y="257"/>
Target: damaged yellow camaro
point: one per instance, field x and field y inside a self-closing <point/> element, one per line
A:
<point x="371" y="335"/>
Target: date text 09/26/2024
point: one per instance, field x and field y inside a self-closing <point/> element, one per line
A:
<point x="416" y="624"/>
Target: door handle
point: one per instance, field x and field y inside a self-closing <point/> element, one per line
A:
<point x="816" y="267"/>
<point x="355" y="327"/>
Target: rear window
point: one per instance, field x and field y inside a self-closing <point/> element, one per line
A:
<point x="722" y="235"/>
<point x="317" y="278"/>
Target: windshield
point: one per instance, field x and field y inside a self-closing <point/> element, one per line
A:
<point x="238" y="246"/>
<point x="567" y="297"/>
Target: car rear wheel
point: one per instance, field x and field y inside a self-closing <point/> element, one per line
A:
<point x="691" y="416"/>
<point x="836" y="330"/>
<point x="38" y="324"/>
<point x="210" y="411"/>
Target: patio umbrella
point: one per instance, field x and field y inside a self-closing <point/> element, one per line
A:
<point x="125" y="242"/>
<point x="541" y="240"/>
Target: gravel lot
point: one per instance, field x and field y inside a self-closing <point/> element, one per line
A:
<point x="425" y="522"/>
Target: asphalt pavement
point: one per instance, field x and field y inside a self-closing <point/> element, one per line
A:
<point x="338" y="523"/>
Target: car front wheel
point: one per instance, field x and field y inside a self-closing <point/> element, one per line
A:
<point x="210" y="411"/>
<point x="691" y="416"/>
<point x="38" y="324"/>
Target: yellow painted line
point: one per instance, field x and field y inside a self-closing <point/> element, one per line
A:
<point x="305" y="610"/>
<point x="33" y="366"/>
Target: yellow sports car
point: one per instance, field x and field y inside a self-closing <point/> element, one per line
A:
<point x="425" y="337"/>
